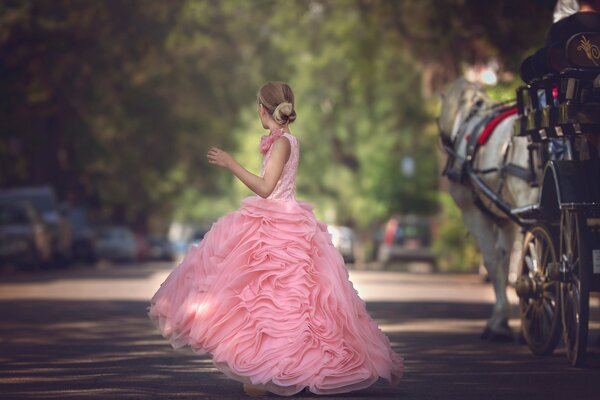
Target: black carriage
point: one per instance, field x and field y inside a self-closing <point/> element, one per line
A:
<point x="560" y="116"/>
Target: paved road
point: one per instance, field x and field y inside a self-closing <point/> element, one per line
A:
<point x="82" y="333"/>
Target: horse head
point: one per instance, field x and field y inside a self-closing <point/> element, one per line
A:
<point x="457" y="102"/>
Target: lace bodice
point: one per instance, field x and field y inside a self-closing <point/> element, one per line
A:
<point x="286" y="186"/>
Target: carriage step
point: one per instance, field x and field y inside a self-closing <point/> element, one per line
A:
<point x="530" y="212"/>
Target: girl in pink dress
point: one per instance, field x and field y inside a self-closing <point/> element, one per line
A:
<point x="265" y="293"/>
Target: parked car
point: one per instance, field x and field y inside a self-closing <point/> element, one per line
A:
<point x="24" y="237"/>
<point x="161" y="249"/>
<point x="43" y="200"/>
<point x="185" y="242"/>
<point x="406" y="238"/>
<point x="84" y="240"/>
<point x="115" y="243"/>
<point x="197" y="236"/>
<point x="142" y="247"/>
<point x="343" y="239"/>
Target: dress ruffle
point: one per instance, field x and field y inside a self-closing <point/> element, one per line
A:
<point x="268" y="297"/>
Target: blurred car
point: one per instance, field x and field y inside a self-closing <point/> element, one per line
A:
<point x="43" y="200"/>
<point x="197" y="236"/>
<point x="182" y="246"/>
<point x="160" y="249"/>
<point x="84" y="240"/>
<point x="142" y="247"/>
<point x="116" y="243"/>
<point x="406" y="238"/>
<point x="24" y="238"/>
<point x="343" y="239"/>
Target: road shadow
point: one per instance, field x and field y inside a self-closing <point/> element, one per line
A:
<point x="85" y="271"/>
<point x="106" y="349"/>
<point x="109" y="349"/>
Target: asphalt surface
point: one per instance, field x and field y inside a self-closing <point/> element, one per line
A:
<point x="82" y="333"/>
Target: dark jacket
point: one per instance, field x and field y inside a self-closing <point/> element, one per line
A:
<point x="538" y="64"/>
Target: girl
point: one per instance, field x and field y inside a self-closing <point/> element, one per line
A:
<point x="265" y="293"/>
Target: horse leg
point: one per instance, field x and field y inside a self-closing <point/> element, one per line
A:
<point x="497" y="326"/>
<point x="495" y="257"/>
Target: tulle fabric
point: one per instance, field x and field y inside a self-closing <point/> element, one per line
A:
<point x="268" y="297"/>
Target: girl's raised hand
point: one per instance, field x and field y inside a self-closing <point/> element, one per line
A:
<point x="219" y="157"/>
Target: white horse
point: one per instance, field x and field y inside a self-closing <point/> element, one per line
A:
<point x="463" y="106"/>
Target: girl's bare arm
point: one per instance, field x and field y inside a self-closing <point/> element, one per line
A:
<point x="261" y="185"/>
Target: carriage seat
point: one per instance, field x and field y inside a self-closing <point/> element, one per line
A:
<point x="579" y="95"/>
<point x="567" y="102"/>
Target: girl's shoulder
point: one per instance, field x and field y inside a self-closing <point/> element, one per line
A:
<point x="287" y="136"/>
<point x="293" y="141"/>
<point x="290" y="137"/>
<point x="283" y="140"/>
<point x="267" y="141"/>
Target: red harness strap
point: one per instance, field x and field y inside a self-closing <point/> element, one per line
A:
<point x="489" y="128"/>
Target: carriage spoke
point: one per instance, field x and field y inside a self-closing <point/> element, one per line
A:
<point x="533" y="255"/>
<point x="549" y="311"/>
<point x="575" y="295"/>
<point x="541" y="326"/>
<point x="570" y="325"/>
<point x="528" y="322"/>
<point x="545" y="256"/>
<point x="550" y="292"/>
<point x="539" y="246"/>
<point x="575" y="292"/>
<point x="539" y="309"/>
<point x="529" y="310"/>
<point x="534" y="325"/>
<point x="529" y="263"/>
<point x="546" y="322"/>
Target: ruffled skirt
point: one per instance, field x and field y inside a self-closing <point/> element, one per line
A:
<point x="268" y="297"/>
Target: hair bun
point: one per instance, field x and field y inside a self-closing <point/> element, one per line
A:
<point x="284" y="113"/>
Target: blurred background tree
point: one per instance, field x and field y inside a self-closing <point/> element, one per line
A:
<point x="115" y="103"/>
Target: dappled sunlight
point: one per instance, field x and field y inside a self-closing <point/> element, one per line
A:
<point x="107" y="349"/>
<point x="93" y="350"/>
<point x="98" y="271"/>
<point x="117" y="282"/>
<point x="388" y="286"/>
<point x="200" y="308"/>
<point x="96" y="349"/>
<point x="436" y="325"/>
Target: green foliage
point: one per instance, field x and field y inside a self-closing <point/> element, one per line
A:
<point x="454" y="247"/>
<point x="504" y="91"/>
<point x="116" y="103"/>
<point x="356" y="128"/>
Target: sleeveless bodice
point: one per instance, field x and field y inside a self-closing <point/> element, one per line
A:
<point x="286" y="186"/>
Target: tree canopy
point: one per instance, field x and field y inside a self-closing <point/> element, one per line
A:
<point x="115" y="103"/>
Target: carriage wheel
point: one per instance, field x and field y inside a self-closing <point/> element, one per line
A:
<point x="539" y="303"/>
<point x="575" y="290"/>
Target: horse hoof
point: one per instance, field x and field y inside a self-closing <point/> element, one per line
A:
<point x="501" y="338"/>
<point x="520" y="338"/>
<point x="497" y="337"/>
<point x="487" y="332"/>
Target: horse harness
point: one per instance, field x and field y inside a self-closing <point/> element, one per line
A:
<point x="459" y="168"/>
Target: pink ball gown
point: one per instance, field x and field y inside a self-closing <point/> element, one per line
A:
<point x="268" y="297"/>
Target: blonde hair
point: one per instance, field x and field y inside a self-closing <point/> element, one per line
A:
<point x="278" y="99"/>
